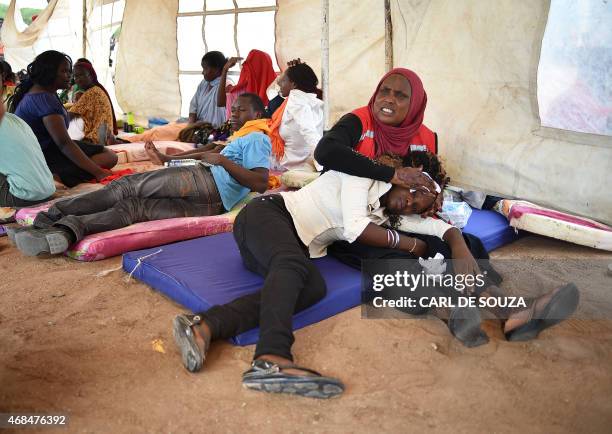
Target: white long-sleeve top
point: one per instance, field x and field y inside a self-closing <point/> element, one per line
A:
<point x="337" y="206"/>
<point x="301" y="129"/>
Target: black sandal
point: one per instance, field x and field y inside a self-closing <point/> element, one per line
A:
<point x="192" y="354"/>
<point x="464" y="324"/>
<point x="269" y="377"/>
<point x="561" y="305"/>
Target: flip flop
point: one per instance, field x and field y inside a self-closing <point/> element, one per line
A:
<point x="42" y="242"/>
<point x="192" y="354"/>
<point x="561" y="305"/>
<point x="269" y="377"/>
<point x="464" y="324"/>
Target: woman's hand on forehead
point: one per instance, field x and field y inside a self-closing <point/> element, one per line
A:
<point x="412" y="178"/>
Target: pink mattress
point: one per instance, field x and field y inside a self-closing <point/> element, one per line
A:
<point x="556" y="224"/>
<point x="141" y="235"/>
<point x="148" y="234"/>
<point x="25" y="216"/>
<point x="144" y="235"/>
<point x="132" y="152"/>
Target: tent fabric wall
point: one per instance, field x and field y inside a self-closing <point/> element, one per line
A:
<point x="100" y="27"/>
<point x="146" y="80"/>
<point x="58" y="27"/>
<point x="478" y="61"/>
<point x="356" y="40"/>
<point x="13" y="38"/>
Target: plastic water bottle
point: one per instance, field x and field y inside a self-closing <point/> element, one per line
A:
<point x="130" y="118"/>
<point x="181" y="163"/>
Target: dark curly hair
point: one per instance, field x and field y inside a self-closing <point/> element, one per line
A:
<point x="42" y="71"/>
<point x="429" y="162"/>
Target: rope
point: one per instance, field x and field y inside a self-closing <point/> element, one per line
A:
<point x="107" y="272"/>
<point x="139" y="263"/>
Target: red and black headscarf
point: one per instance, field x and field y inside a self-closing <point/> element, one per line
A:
<point x="89" y="67"/>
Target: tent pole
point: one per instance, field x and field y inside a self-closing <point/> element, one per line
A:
<point x="84" y="46"/>
<point x="388" y="37"/>
<point x="325" y="59"/>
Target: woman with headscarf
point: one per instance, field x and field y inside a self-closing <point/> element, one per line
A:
<point x="392" y="124"/>
<point x="256" y="75"/>
<point x="36" y="102"/>
<point x="94" y="105"/>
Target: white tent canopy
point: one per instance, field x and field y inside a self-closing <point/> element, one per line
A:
<point x="479" y="62"/>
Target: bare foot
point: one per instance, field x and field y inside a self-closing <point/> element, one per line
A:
<point x="564" y="301"/>
<point x="173" y="151"/>
<point x="154" y="155"/>
<point x="202" y="334"/>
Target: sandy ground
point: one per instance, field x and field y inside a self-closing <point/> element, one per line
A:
<point x="82" y="345"/>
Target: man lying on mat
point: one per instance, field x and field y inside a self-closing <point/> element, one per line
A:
<point x="188" y="191"/>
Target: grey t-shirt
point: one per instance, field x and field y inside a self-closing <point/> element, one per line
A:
<point x="204" y="103"/>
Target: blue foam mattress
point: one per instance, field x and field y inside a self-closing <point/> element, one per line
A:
<point x="204" y="272"/>
<point x="491" y="227"/>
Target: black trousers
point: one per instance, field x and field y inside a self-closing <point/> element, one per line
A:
<point x="161" y="194"/>
<point x="352" y="254"/>
<point x="269" y="246"/>
<point x="69" y="173"/>
<point x="7" y="199"/>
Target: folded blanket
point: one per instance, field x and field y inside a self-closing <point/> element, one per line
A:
<point x="7" y="214"/>
<point x="164" y="132"/>
<point x="136" y="152"/>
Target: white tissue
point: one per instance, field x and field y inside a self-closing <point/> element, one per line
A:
<point x="433" y="266"/>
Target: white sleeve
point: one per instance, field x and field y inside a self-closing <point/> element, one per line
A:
<point x="354" y="203"/>
<point x="424" y="226"/>
<point x="306" y="120"/>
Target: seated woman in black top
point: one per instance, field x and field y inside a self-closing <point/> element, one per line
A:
<point x="36" y="102"/>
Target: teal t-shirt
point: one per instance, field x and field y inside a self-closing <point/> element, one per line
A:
<point x="250" y="152"/>
<point x="22" y="161"/>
